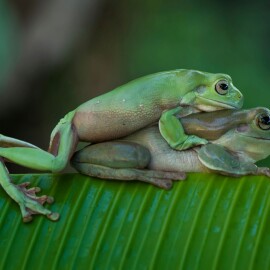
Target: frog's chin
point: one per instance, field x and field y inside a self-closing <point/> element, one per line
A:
<point x="210" y="105"/>
<point x="256" y="148"/>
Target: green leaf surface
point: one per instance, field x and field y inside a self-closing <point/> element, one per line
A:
<point x="206" y="222"/>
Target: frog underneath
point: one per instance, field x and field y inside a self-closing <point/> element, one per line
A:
<point x="238" y="140"/>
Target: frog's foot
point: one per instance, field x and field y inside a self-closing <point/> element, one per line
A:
<point x="263" y="171"/>
<point x="190" y="142"/>
<point x="158" y="178"/>
<point x="30" y="204"/>
<point x="161" y="179"/>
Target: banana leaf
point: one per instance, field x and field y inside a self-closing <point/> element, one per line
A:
<point x="206" y="222"/>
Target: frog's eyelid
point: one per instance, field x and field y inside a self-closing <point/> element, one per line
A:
<point x="224" y="78"/>
<point x="227" y="78"/>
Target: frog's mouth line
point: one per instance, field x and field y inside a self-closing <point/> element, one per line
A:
<point x="217" y="103"/>
<point x="252" y="137"/>
<point x="257" y="138"/>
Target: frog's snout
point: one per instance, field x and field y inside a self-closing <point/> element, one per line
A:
<point x="239" y="95"/>
<point x="240" y="102"/>
<point x="240" y="99"/>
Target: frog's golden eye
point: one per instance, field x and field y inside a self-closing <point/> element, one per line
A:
<point x="263" y="121"/>
<point x="222" y="87"/>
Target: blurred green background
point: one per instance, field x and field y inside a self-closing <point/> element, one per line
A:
<point x="54" y="55"/>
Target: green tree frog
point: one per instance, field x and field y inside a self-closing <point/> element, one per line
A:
<point x="128" y="108"/>
<point x="238" y="140"/>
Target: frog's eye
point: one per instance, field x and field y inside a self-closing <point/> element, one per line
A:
<point x="263" y="121"/>
<point x="222" y="87"/>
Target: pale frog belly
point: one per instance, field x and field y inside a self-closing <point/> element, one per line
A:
<point x="163" y="157"/>
<point x="109" y="125"/>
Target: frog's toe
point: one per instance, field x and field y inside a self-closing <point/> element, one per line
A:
<point x="50" y="200"/>
<point x="176" y="176"/>
<point x="23" y="185"/>
<point x="26" y="215"/>
<point x="53" y="216"/>
<point x="42" y="199"/>
<point x="264" y="171"/>
<point x="168" y="185"/>
<point x="31" y="192"/>
<point x="267" y="172"/>
<point x="27" y="218"/>
<point x="163" y="183"/>
<point x="35" y="189"/>
<point x="161" y="179"/>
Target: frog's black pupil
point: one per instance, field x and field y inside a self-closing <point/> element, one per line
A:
<point x="265" y="120"/>
<point x="223" y="86"/>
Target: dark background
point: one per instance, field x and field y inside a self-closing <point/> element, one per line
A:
<point x="54" y="55"/>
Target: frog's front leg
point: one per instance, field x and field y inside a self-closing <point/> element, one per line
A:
<point x="173" y="132"/>
<point x="121" y="161"/>
<point x="219" y="159"/>
<point x="26" y="198"/>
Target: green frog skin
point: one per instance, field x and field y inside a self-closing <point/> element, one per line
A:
<point x="154" y="98"/>
<point x="238" y="140"/>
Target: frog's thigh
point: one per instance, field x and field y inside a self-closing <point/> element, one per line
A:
<point x="217" y="158"/>
<point x="115" y="154"/>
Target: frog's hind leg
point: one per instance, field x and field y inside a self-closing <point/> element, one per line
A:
<point x="6" y="141"/>
<point x="121" y="161"/>
<point x="63" y="141"/>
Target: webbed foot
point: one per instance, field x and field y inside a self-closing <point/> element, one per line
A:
<point x="29" y="203"/>
<point x="160" y="179"/>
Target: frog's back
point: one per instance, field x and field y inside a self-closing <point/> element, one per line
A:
<point x="127" y="108"/>
<point x="141" y="90"/>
